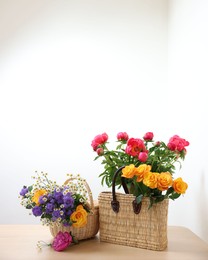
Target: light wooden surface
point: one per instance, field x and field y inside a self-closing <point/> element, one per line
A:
<point x="18" y="242"/>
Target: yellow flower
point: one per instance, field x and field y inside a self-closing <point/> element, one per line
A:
<point x="164" y="181"/>
<point x="142" y="171"/>
<point x="79" y="217"/>
<point x="180" y="186"/>
<point x="37" y="195"/>
<point x="150" y="179"/>
<point x="128" y="171"/>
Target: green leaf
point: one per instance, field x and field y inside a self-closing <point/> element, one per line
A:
<point x="30" y="188"/>
<point x="174" y="196"/>
<point x="139" y="198"/>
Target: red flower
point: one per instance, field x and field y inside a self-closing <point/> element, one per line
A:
<point x="148" y="136"/>
<point x="135" y="146"/>
<point x="143" y="156"/>
<point x="122" y="136"/>
<point x="177" y="143"/>
<point x="98" y="140"/>
<point x="100" y="151"/>
<point x="61" y="241"/>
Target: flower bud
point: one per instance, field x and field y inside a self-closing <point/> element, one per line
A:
<point x="100" y="151"/>
<point x="122" y="136"/>
<point x="148" y="136"/>
<point x="143" y="156"/>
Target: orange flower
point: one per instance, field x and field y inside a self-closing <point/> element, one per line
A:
<point x="79" y="217"/>
<point x="37" y="195"/>
<point x="150" y="179"/>
<point x="164" y="181"/>
<point x="180" y="186"/>
<point x="128" y="171"/>
<point x="141" y="171"/>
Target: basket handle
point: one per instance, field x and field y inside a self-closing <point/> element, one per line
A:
<point x="115" y="203"/>
<point x="87" y="188"/>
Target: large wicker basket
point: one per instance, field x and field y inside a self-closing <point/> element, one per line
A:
<point x="121" y="223"/>
<point x="92" y="226"/>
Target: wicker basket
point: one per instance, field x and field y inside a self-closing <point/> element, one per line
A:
<point x="122" y="223"/>
<point x="92" y="226"/>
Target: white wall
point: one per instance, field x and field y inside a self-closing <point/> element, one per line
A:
<point x="187" y="83"/>
<point x="72" y="69"/>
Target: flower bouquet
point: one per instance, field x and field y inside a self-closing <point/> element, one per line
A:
<point x="145" y="169"/>
<point x="67" y="209"/>
<point x="147" y="166"/>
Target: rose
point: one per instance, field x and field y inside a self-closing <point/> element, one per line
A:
<point x="180" y="186"/>
<point x="61" y="241"/>
<point x="141" y="171"/>
<point x="128" y="171"/>
<point x="150" y="179"/>
<point x="79" y="217"/>
<point x="164" y="180"/>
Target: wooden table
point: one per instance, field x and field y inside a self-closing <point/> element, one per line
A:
<point x="18" y="242"/>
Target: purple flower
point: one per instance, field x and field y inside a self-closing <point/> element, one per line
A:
<point x="61" y="241"/>
<point x="58" y="196"/>
<point x="23" y="191"/>
<point x="37" y="211"/>
<point x="68" y="201"/>
<point x="49" y="208"/>
<point x="56" y="214"/>
<point x="43" y="199"/>
<point x="68" y="212"/>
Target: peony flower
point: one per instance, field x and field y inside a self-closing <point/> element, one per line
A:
<point x="177" y="144"/>
<point x="146" y="166"/>
<point x="143" y="156"/>
<point x="61" y="241"/>
<point x="100" y="151"/>
<point x="135" y="146"/>
<point x="122" y="136"/>
<point x="148" y="136"/>
<point x="98" y="140"/>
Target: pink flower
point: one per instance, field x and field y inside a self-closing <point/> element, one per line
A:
<point x="157" y="143"/>
<point x="148" y="136"/>
<point x="143" y="156"/>
<point x="122" y="136"/>
<point x="177" y="143"/>
<point x="100" y="151"/>
<point x="98" y="140"/>
<point x="135" y="146"/>
<point x="61" y="241"/>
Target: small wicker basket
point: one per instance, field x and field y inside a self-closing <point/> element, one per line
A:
<point x="92" y="226"/>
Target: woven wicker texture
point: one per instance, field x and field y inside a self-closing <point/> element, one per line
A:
<point x="92" y="226"/>
<point x="147" y="230"/>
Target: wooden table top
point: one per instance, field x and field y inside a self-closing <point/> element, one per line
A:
<point x="18" y="242"/>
